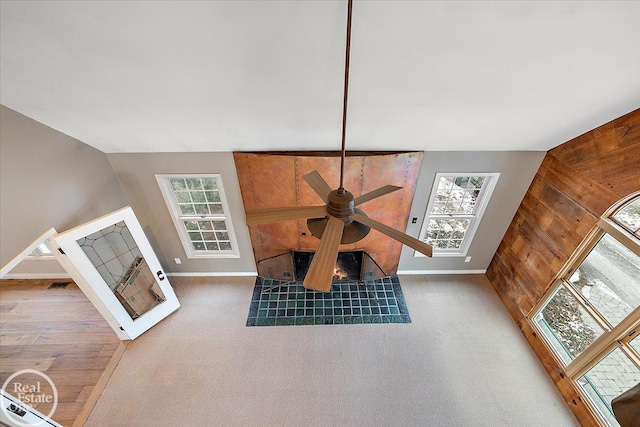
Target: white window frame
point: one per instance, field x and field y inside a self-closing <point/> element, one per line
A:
<point x="613" y="337"/>
<point x="178" y="217"/>
<point x="40" y="253"/>
<point x="474" y="218"/>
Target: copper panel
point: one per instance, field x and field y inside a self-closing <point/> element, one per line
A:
<point x="276" y="180"/>
<point x="278" y="267"/>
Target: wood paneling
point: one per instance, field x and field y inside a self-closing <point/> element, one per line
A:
<point x="576" y="183"/>
<point x="565" y="386"/>
<point x="270" y="180"/>
<point x="58" y="332"/>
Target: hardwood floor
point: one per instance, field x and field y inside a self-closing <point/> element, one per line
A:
<point x="57" y="332"/>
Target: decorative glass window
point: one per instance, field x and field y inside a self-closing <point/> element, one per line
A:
<point x="590" y="319"/>
<point x="454" y="211"/>
<point x="199" y="211"/>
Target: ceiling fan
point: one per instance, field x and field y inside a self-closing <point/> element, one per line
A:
<point x="338" y="221"/>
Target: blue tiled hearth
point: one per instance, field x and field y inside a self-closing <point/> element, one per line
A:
<point x="279" y="303"/>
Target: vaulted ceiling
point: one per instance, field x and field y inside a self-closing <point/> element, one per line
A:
<point x="267" y="75"/>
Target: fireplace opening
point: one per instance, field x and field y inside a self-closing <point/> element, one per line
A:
<point x="348" y="265"/>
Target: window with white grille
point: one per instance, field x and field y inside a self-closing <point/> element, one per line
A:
<point x="454" y="211"/>
<point x="199" y="211"/>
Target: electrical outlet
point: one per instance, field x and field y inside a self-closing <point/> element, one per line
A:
<point x="177" y="260"/>
<point x="467" y="259"/>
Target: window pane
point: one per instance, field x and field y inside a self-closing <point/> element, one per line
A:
<point x="609" y="278"/>
<point x="198" y="197"/>
<point x="209" y="235"/>
<point x="194" y="184"/>
<point x="213" y="196"/>
<point x="447" y="233"/>
<point x="611" y="377"/>
<point x="209" y="183"/>
<point x="629" y="217"/>
<point x="212" y="246"/>
<point x="178" y="184"/>
<point x="446" y="182"/>
<point x="183" y="197"/>
<point x="216" y="208"/>
<point x="43" y="249"/>
<point x="567" y="326"/>
<point x="457" y="195"/>
<point x="202" y="209"/>
<point x="635" y="343"/>
<point x="187" y="209"/>
<point x="205" y="225"/>
<point x="477" y="181"/>
<point x="461" y="181"/>
<point x="219" y="225"/>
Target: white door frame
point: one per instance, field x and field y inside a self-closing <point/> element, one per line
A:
<point x="48" y="238"/>
<point x="97" y="290"/>
<point x="26" y="251"/>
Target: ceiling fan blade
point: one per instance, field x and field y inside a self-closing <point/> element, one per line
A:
<point x="322" y="267"/>
<point x="394" y="234"/>
<point x="376" y="193"/>
<point x="264" y="216"/>
<point x="319" y="185"/>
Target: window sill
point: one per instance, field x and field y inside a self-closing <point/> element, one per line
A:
<point x="212" y="256"/>
<point x="440" y="255"/>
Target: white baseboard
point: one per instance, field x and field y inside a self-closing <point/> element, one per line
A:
<point x="66" y="276"/>
<point x="407" y="272"/>
<point x="215" y="274"/>
<point x="37" y="276"/>
<point x="249" y="273"/>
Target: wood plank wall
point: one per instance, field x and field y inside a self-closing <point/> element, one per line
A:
<point x="576" y="183"/>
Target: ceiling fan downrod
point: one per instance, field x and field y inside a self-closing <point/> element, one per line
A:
<point x="341" y="191"/>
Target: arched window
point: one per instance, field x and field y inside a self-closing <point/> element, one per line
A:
<point x="590" y="318"/>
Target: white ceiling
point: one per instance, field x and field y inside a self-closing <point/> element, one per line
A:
<point x="267" y="75"/>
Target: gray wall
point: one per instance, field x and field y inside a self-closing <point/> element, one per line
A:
<point x="48" y="179"/>
<point x="517" y="169"/>
<point x="37" y="268"/>
<point x="137" y="173"/>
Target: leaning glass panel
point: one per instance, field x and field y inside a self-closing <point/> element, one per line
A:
<point x="116" y="256"/>
<point x="566" y="325"/>
<point x="609" y="278"/>
<point x="608" y="379"/>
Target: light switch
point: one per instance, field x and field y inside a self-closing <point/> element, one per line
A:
<point x="177" y="260"/>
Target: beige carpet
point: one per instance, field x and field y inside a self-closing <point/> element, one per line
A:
<point x="462" y="362"/>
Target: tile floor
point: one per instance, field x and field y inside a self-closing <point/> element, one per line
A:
<point x="279" y="303"/>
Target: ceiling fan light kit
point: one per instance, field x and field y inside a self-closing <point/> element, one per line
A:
<point x="339" y="221"/>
